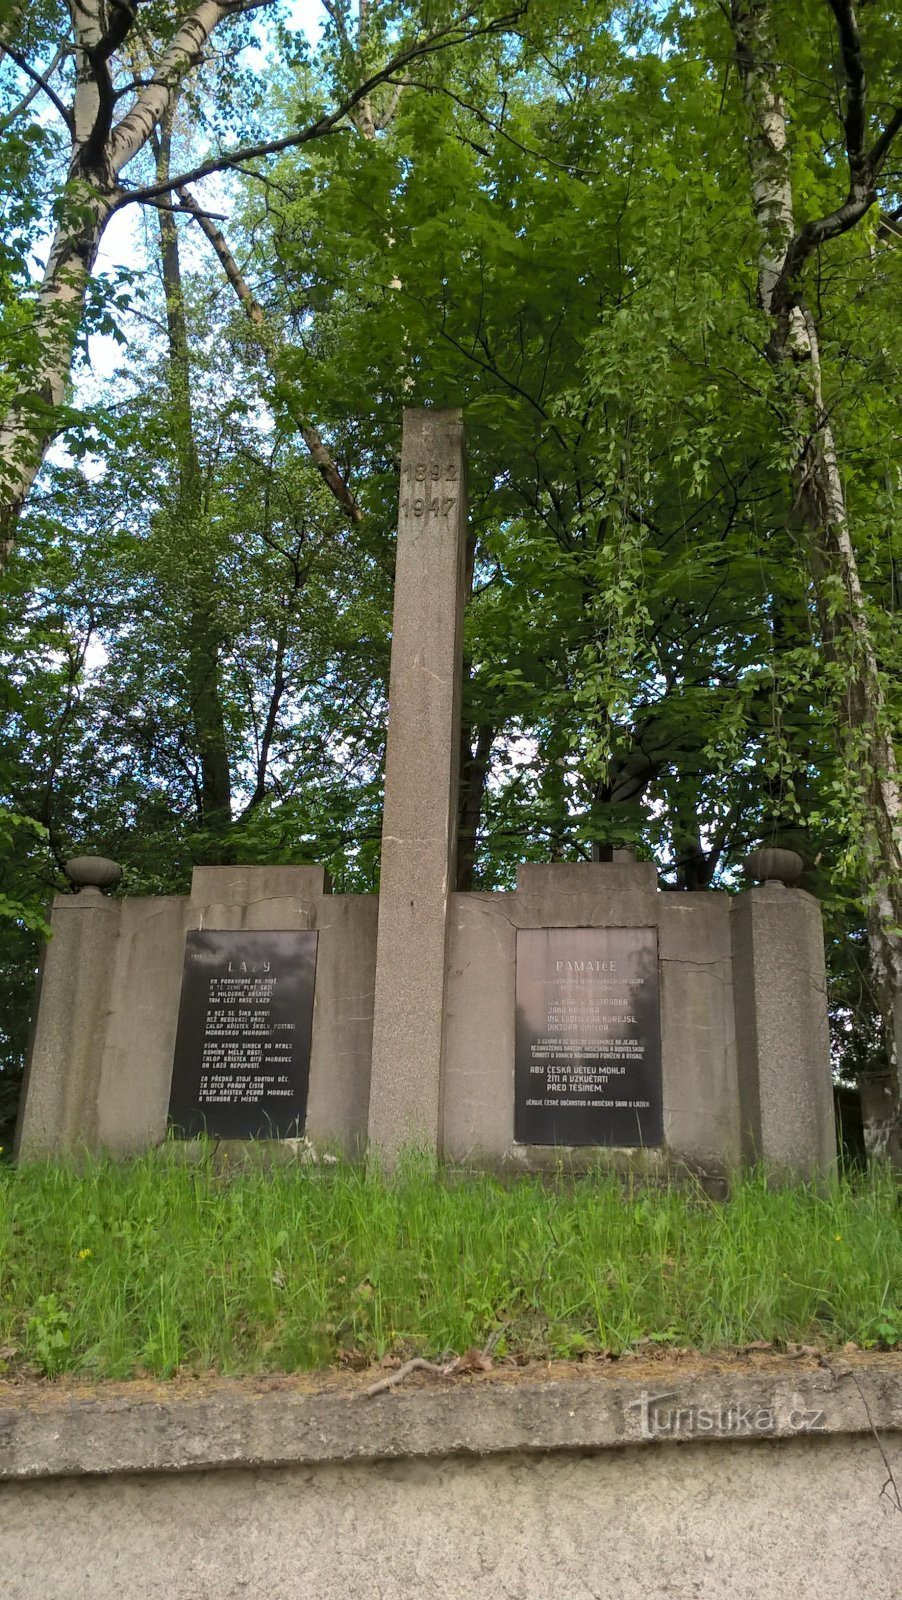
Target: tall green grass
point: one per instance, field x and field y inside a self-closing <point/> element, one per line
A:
<point x="155" y="1266"/>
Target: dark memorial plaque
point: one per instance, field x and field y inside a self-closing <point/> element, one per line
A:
<point x="242" y="1051"/>
<point x="588" y="1042"/>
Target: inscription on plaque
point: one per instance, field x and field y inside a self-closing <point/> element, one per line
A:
<point x="588" y="1037"/>
<point x="242" y="1051"/>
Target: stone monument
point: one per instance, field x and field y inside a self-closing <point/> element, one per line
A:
<point x="584" y="1015"/>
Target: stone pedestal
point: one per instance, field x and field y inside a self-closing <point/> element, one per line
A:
<point x="421" y="776"/>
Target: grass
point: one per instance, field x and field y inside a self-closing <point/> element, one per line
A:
<point x="157" y="1267"/>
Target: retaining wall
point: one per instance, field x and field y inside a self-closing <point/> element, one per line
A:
<point x="769" y="1481"/>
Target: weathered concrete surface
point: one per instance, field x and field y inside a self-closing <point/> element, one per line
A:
<point x="782" y="1034"/>
<point x="478" y="1099"/>
<point x="59" y="1096"/>
<point x="339" y="1094"/>
<point x="583" y="894"/>
<point x="698" y="1037"/>
<point x="47" y="1431"/>
<point x="520" y="1490"/>
<point x="745" y="1056"/>
<point x="134" y="1040"/>
<point x="421" y="773"/>
<point x="727" y="1522"/>
<point x="300" y="897"/>
<point x="251" y="894"/>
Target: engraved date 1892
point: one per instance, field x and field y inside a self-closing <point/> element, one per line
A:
<point x="428" y="484"/>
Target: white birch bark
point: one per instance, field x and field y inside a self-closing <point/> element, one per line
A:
<point x="819" y="499"/>
<point x="100" y="150"/>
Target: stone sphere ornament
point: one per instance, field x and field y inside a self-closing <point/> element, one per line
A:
<point x="773" y="865"/>
<point x="92" y="872"/>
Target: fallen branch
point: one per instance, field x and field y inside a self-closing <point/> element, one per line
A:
<point x="416" y="1364"/>
<point x="470" y="1361"/>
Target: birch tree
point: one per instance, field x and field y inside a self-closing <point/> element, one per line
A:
<point x="109" y="117"/>
<point x="786" y="250"/>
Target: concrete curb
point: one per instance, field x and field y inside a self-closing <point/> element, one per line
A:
<point x="47" y="1434"/>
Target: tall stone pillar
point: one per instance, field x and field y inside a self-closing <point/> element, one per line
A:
<point x="782" y="1033"/>
<point x="421" y="777"/>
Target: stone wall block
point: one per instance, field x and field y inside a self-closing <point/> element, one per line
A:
<point x="139" y="1037"/>
<point x="782" y="1035"/>
<point x="58" y="1110"/>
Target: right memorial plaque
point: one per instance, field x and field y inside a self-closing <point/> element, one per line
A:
<point x="588" y="1041"/>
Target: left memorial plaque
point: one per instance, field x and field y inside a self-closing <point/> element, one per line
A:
<point x="242" y="1052"/>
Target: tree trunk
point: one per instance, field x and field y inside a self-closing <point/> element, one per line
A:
<point x="868" y="745"/>
<point x="474" y="768"/>
<point x="203" y="645"/>
<point x="820" y="507"/>
<point x="32" y="422"/>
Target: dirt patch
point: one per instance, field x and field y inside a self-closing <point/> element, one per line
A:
<point x="660" y="1366"/>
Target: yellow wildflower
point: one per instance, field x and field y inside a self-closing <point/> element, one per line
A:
<point x="83" y="1255"/>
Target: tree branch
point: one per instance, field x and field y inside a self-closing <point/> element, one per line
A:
<point x="880" y="147"/>
<point x="279" y="685"/>
<point x="864" y="164"/>
<point x="41" y="86"/>
<point x="501" y="131"/>
<point x="165" y="204"/>
<point x="387" y="117"/>
<point x="184" y="51"/>
<point x="319" y="455"/>
<point x="235" y="159"/>
<point x="340" y="29"/>
<point x="433" y="44"/>
<point x="888" y="227"/>
<point x="122" y="18"/>
<point x="855" y="119"/>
